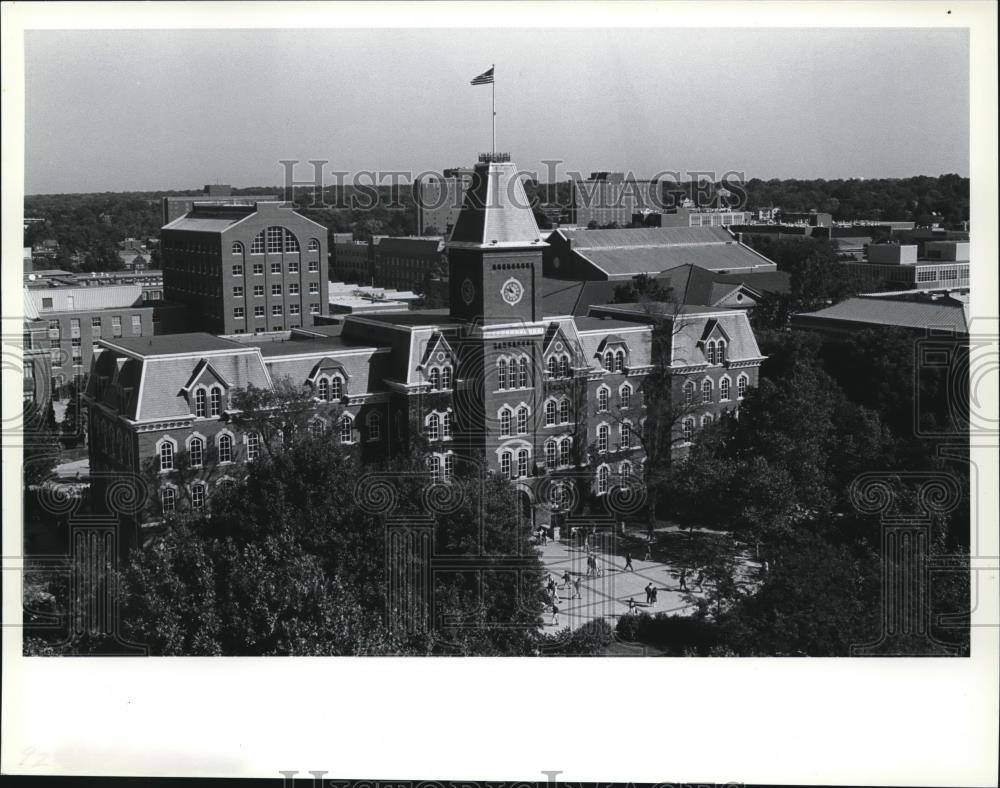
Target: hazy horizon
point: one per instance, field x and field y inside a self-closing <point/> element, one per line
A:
<point x="147" y="110"/>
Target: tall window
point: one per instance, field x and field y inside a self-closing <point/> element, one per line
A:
<point x="435" y="377"/>
<point x="689" y="393"/>
<point x="710" y="352"/>
<point x="724" y="385"/>
<point x="336" y="388"/>
<point x="433" y="427"/>
<point x="200" y="403"/>
<point x="215" y="401"/>
<point x="619" y="360"/>
<point x="550" y="413"/>
<point x="446" y="377"/>
<point x="565" y="450"/>
<point x="625" y="470"/>
<point x="346" y="428"/>
<point x="602" y="399"/>
<point x="225" y="448"/>
<point x="706" y="390"/>
<point x="564" y="411"/>
<point x="720" y="352"/>
<point x="323" y="389"/>
<point x="522" y="421"/>
<point x="626" y="396"/>
<point x="275" y="239"/>
<point x="197" y="496"/>
<point x="523" y="373"/>
<point x="434" y="466"/>
<point x="505" y="464"/>
<point x="505" y="417"/>
<point x="253" y="446"/>
<point x="688" y="428"/>
<point x="741" y="386"/>
<point x="374" y="427"/>
<point x="257" y="247"/>
<point x="609" y="361"/>
<point x="502" y="374"/>
<point x="564" y="366"/>
<point x="603" y="474"/>
<point x="625" y="435"/>
<point x="522" y="463"/>
<point x="602" y="438"/>
<point x="446" y="425"/>
<point x="551" y="366"/>
<point x="168" y="500"/>
<point x="196" y="452"/>
<point x="166" y="456"/>
<point x="550" y="454"/>
<point x="291" y="242"/>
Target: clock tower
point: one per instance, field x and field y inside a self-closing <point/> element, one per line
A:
<point x="495" y="249"/>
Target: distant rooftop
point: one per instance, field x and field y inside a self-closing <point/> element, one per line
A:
<point x="943" y="314"/>
<point x="170" y="344"/>
<point x="602" y="324"/>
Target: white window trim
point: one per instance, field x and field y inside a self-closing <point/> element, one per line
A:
<point x="597" y="437"/>
<point x="730" y="381"/>
<point x="218" y="439"/>
<point x="603" y="387"/>
<point x="174" y="444"/>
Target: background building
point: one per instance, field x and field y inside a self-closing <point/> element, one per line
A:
<point x="900" y="267"/>
<point x="217" y="194"/>
<point x="439" y="200"/>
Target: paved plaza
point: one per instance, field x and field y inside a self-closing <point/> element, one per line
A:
<point x="607" y="595"/>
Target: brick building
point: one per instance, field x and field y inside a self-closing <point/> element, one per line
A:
<point x="246" y="269"/>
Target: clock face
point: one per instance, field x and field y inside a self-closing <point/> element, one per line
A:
<point x="512" y="291"/>
<point x="468" y="291"/>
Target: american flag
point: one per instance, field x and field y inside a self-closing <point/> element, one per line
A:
<point x="486" y="78"/>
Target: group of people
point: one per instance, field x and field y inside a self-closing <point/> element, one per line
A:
<point x="699" y="580"/>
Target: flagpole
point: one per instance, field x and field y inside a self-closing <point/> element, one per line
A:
<point x="493" y="85"/>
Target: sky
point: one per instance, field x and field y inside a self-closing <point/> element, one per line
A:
<point x="176" y="109"/>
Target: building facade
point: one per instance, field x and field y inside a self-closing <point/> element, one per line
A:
<point x="246" y="269"/>
<point x="945" y="266"/>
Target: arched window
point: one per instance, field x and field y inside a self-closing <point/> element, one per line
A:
<point x="741" y="386"/>
<point x="609" y="361"/>
<point x="564" y="411"/>
<point x="625" y="435"/>
<point x="200" y="404"/>
<point x="446" y="377"/>
<point x="602" y="438"/>
<point x="706" y="390"/>
<point x="523" y="372"/>
<point x="215" y="401"/>
<point x="522" y="420"/>
<point x="550" y="366"/>
<point x="505" y="419"/>
<point x="502" y="373"/>
<point x="374" y="427"/>
<point x="564" y="366"/>
<point x="291" y="242"/>
<point x="550" y="454"/>
<point x="168" y="499"/>
<point x="313" y="245"/>
<point x="550" y="413"/>
<point x="323" y="389"/>
<point x="720" y="353"/>
<point x="706" y="420"/>
<point x="625" y="393"/>
<point x="434" y="466"/>
<point x="275" y="239"/>
<point x="565" y="451"/>
<point x="257" y="247"/>
<point x="197" y="496"/>
<point x="346" y="429"/>
<point x="196" y="452"/>
<point x="619" y="361"/>
<point x="602" y="399"/>
<point x="522" y="463"/>
<point x="446" y="425"/>
<point x="317" y="427"/>
<point x="603" y="474"/>
<point x="237" y="247"/>
<point x="625" y="470"/>
<point x="435" y="378"/>
<point x="505" y="460"/>
<point x="433" y="427"/>
<point x="166" y="455"/>
<point x="449" y="466"/>
<point x="688" y="428"/>
<point x="225" y="448"/>
<point x="253" y="446"/>
<point x="710" y="351"/>
<point x="724" y="385"/>
<point x="336" y="388"/>
<point x="689" y="388"/>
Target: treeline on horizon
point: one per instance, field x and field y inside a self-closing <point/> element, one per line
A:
<point x="75" y="220"/>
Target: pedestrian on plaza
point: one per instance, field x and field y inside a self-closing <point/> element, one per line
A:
<point x="552" y="588"/>
<point x="592" y="565"/>
<point x="628" y="562"/>
<point x="653" y="594"/>
<point x="545" y="536"/>
<point x="576" y="587"/>
<point x="683" y="583"/>
<point x="649" y="551"/>
<point x="566" y="579"/>
<point x="555" y="615"/>
<point x="700" y="579"/>
<point x="631" y="605"/>
<point x="649" y="593"/>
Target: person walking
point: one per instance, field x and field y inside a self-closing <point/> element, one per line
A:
<point x="555" y="615"/>
<point x="576" y="588"/>
<point x="649" y="593"/>
<point x="699" y="581"/>
<point x="649" y="551"/>
<point x="567" y="580"/>
<point x="652" y="594"/>
<point x="628" y="563"/>
<point x="683" y="584"/>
